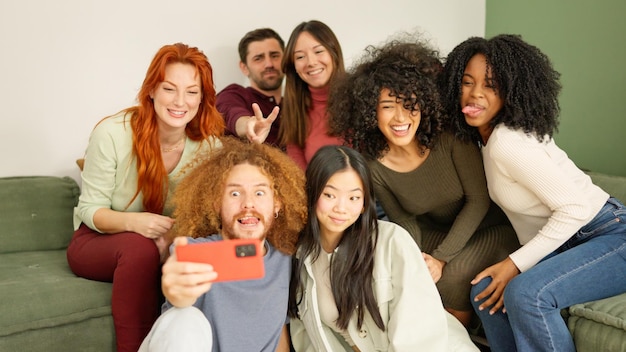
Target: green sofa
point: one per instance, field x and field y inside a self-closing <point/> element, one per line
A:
<point x="45" y="307"/>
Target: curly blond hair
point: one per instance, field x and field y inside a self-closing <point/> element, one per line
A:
<point x="198" y="197"/>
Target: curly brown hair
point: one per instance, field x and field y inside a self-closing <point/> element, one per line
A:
<point x="408" y="67"/>
<point x="198" y="197"/>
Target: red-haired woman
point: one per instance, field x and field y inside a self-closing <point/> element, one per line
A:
<point x="133" y="162"/>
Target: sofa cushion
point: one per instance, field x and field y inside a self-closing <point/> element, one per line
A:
<point x="38" y="290"/>
<point x="94" y="335"/>
<point x="36" y="212"/>
<point x="599" y="325"/>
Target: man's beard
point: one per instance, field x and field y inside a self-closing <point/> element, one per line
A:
<point x="228" y="227"/>
<point x="270" y="84"/>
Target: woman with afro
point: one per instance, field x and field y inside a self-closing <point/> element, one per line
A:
<point x="430" y="183"/>
<point x="501" y="94"/>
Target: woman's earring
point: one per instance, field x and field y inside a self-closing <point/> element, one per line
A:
<point x="276" y="215"/>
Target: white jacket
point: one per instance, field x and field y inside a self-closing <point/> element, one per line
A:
<point x="408" y="301"/>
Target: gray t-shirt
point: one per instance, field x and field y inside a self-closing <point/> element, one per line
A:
<point x="248" y="315"/>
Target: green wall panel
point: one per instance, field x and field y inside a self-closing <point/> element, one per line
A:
<point x="587" y="44"/>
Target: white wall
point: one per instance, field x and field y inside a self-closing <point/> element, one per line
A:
<point x="66" y="64"/>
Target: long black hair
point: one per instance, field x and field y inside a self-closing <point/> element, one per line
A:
<point x="524" y="79"/>
<point x="351" y="267"/>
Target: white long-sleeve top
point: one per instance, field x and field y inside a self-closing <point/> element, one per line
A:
<point x="407" y="298"/>
<point x="544" y="195"/>
<point x="109" y="179"/>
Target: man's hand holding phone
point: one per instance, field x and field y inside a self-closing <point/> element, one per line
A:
<point x="183" y="282"/>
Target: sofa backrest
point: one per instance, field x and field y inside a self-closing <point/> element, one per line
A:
<point x="36" y="212"/>
<point x="613" y="185"/>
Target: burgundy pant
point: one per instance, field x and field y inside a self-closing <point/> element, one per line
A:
<point x="131" y="262"/>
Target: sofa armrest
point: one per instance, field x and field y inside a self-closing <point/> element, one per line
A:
<point x="613" y="185"/>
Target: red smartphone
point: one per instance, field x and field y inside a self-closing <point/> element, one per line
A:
<point x="236" y="259"/>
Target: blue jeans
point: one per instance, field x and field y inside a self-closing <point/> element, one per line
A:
<point x="591" y="265"/>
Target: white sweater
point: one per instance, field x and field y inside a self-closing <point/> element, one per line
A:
<point x="544" y="195"/>
<point x="408" y="302"/>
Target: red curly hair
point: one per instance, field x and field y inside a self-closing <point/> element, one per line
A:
<point x="151" y="173"/>
<point x="198" y="197"/>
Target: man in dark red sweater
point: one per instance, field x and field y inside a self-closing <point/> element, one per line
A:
<point x="252" y="112"/>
